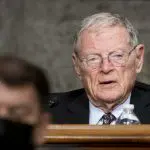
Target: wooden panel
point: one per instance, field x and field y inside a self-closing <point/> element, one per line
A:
<point x="93" y="137"/>
<point x="93" y="133"/>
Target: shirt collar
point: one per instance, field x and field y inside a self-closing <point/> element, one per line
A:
<point x="96" y="113"/>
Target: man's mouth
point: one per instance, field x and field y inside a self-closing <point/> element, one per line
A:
<point x="107" y="82"/>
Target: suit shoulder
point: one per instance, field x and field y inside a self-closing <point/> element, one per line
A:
<point x="58" y="97"/>
<point x="142" y="86"/>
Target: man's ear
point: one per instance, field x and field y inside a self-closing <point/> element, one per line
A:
<point x="139" y="57"/>
<point x="41" y="130"/>
<point x="76" y="65"/>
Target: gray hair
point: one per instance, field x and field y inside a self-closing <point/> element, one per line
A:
<point x="107" y="19"/>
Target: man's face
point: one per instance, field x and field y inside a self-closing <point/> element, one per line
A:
<point x="21" y="104"/>
<point x="108" y="83"/>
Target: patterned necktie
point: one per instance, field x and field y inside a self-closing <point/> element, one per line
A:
<point x="108" y="118"/>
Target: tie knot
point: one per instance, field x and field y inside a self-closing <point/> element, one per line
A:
<point x="108" y="118"/>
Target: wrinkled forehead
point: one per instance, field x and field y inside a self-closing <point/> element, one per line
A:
<point x="107" y="36"/>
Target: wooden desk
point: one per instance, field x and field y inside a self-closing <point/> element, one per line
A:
<point x="92" y="137"/>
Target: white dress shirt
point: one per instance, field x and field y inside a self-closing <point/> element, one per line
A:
<point x="96" y="113"/>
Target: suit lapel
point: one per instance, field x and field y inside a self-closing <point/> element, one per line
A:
<point x="142" y="105"/>
<point x="79" y="110"/>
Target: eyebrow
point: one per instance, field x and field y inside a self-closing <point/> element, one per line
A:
<point x="84" y="57"/>
<point x="91" y="54"/>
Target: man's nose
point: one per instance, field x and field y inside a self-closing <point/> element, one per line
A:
<point x="106" y="65"/>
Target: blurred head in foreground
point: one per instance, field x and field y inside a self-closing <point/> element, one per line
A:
<point x="23" y="95"/>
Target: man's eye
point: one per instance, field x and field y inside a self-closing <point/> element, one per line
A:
<point x="92" y="59"/>
<point x="118" y="55"/>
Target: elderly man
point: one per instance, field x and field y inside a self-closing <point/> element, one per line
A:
<point x="23" y="102"/>
<point x="107" y="58"/>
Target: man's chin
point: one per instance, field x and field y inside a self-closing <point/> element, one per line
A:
<point x="109" y="98"/>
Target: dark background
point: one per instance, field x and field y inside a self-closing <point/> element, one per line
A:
<point x="42" y="31"/>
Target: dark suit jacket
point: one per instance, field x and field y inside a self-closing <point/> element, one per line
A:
<point x="73" y="107"/>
